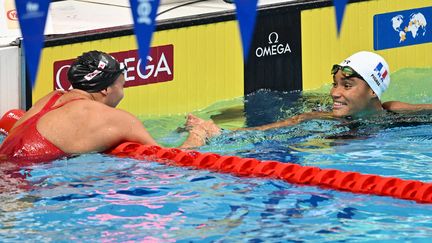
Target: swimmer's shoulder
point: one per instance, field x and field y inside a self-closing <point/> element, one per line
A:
<point x="42" y="101"/>
<point x="107" y="113"/>
<point x="36" y="107"/>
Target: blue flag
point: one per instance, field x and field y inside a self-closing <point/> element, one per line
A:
<point x="32" y="15"/>
<point x="144" y="15"/>
<point x="340" y="10"/>
<point x="246" y="15"/>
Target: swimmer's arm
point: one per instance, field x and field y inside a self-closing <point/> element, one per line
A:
<point x="131" y="129"/>
<point x="195" y="139"/>
<point x="397" y="106"/>
<point x="290" y="121"/>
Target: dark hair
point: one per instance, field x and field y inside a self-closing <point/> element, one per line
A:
<point x="94" y="71"/>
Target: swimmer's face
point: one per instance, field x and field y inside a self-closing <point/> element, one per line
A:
<point x="351" y="96"/>
<point x="116" y="91"/>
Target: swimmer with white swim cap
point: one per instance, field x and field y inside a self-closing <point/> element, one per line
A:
<point x="358" y="84"/>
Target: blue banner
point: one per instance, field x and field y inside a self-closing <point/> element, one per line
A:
<point x="340" y="11"/>
<point x="144" y="15"/>
<point x="402" y="28"/>
<point x="32" y="15"/>
<point x="246" y="15"/>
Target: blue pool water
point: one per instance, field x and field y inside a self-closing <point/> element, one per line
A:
<point x="96" y="197"/>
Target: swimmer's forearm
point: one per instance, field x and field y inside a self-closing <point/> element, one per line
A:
<point x="290" y="121"/>
<point x="194" y="139"/>
<point x="397" y="106"/>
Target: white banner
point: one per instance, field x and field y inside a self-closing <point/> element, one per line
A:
<point x="8" y="19"/>
<point x="9" y="26"/>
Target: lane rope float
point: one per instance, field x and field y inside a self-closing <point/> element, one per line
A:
<point x="8" y="120"/>
<point x="293" y="173"/>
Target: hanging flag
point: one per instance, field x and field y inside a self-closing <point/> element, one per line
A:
<point x="32" y="15"/>
<point x="246" y="15"/>
<point x="144" y="15"/>
<point x="340" y="10"/>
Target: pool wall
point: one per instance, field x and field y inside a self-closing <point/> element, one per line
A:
<point x="197" y="61"/>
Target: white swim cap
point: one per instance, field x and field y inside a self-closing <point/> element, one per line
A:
<point x="373" y="68"/>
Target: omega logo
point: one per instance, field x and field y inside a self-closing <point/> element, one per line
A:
<point x="159" y="67"/>
<point x="276" y="37"/>
<point x="274" y="48"/>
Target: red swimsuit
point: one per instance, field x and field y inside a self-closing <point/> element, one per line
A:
<point x="25" y="144"/>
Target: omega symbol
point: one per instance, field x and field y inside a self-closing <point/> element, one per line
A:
<point x="276" y="36"/>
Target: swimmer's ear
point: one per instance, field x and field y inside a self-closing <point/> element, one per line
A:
<point x="374" y="95"/>
<point x="104" y="92"/>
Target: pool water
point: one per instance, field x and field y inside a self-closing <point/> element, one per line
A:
<point x="95" y="197"/>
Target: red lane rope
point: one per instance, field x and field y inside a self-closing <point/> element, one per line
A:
<point x="293" y="173"/>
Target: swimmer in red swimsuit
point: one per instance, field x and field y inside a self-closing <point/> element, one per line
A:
<point x="25" y="143"/>
<point x="85" y="119"/>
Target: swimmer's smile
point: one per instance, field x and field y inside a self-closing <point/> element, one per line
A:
<point x="337" y="105"/>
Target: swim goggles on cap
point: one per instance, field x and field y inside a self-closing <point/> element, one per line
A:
<point x="347" y="71"/>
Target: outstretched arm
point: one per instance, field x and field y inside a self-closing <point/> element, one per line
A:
<point x="201" y="130"/>
<point x="290" y="121"/>
<point x="133" y="130"/>
<point x="397" y="106"/>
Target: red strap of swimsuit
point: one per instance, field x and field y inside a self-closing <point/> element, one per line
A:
<point x="49" y="105"/>
<point x="64" y="103"/>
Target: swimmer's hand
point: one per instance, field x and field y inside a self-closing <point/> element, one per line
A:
<point x="200" y="131"/>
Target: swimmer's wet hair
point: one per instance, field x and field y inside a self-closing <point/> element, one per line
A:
<point x="94" y="71"/>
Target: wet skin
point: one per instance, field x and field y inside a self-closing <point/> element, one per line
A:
<point x="352" y="96"/>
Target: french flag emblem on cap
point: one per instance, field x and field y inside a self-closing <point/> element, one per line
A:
<point x="382" y="72"/>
